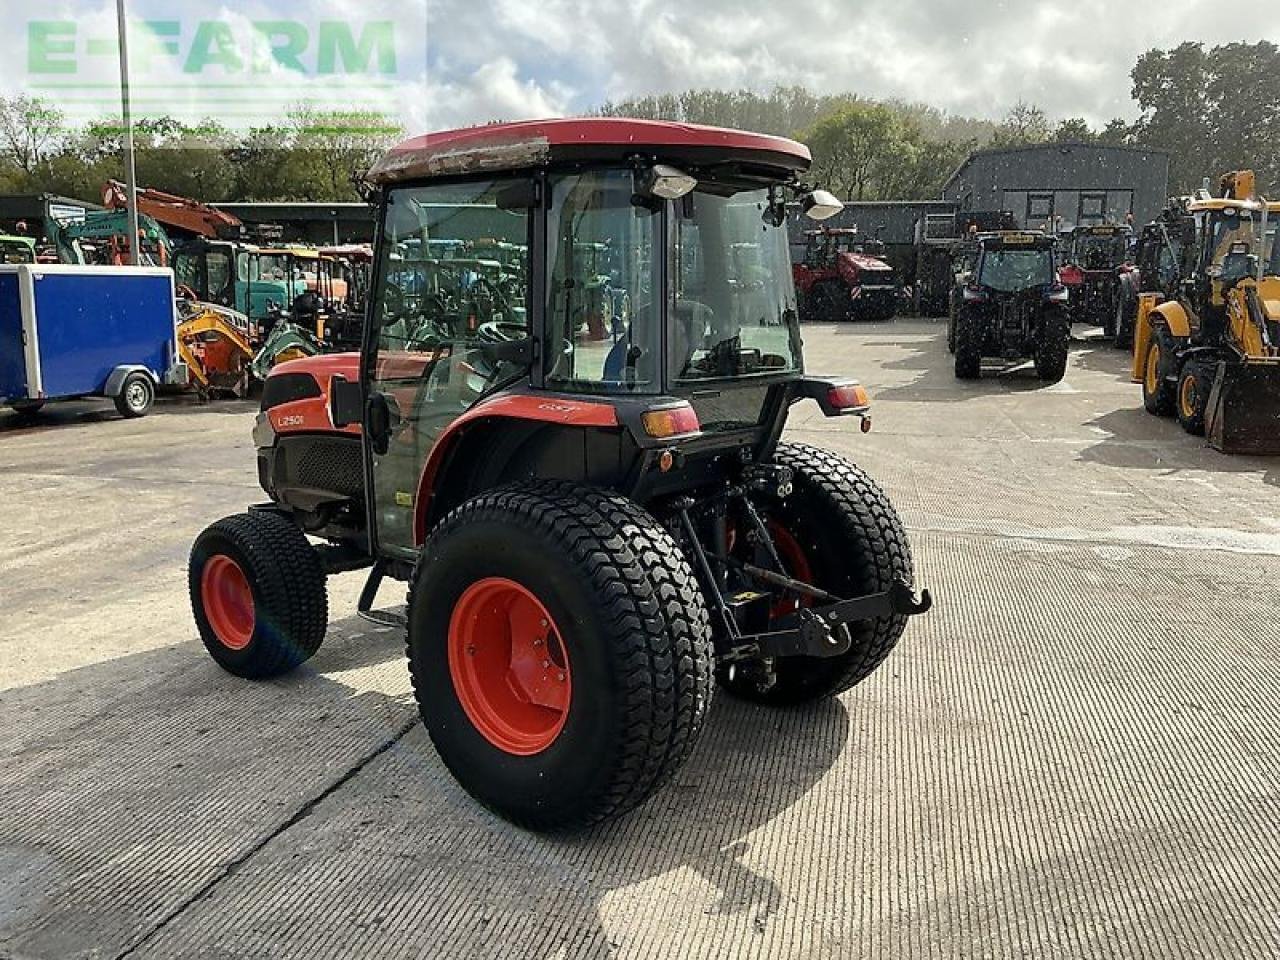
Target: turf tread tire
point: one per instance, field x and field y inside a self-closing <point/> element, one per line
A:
<point x="289" y="592"/>
<point x="876" y="552"/>
<point x="1053" y="346"/>
<point x="658" y="639"/>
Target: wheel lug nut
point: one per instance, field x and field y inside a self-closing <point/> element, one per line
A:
<point x="562" y="678"/>
<point x="546" y="664"/>
<point x="471" y="651"/>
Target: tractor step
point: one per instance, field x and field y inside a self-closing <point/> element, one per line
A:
<point x="364" y="607"/>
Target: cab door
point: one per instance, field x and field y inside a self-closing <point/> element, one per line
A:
<point x="435" y="319"/>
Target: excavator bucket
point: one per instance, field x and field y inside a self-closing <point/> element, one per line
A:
<point x="1244" y="408"/>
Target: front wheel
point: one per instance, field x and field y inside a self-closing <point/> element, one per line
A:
<point x="838" y="531"/>
<point x="1157" y="391"/>
<point x="258" y="593"/>
<point x="1194" y="384"/>
<point x="560" y="651"/>
<point x="1052" y="346"/>
<point x="830" y="303"/>
<point x="968" y="345"/>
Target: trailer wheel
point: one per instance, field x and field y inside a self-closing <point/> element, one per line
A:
<point x="1053" y="345"/>
<point x="968" y="345"/>
<point x="258" y="594"/>
<point x="27" y="408"/>
<point x="560" y="651"/>
<point x="830" y="302"/>
<point x="839" y="531"/>
<point x="1194" y="384"/>
<point x="137" y="394"/>
<point x="1158" y="394"/>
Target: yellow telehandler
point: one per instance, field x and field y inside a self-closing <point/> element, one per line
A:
<point x="1207" y="346"/>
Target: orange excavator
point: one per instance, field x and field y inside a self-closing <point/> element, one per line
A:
<point x="176" y="213"/>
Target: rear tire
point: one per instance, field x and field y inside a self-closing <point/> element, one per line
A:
<point x="951" y="334"/>
<point x="629" y="619"/>
<point x="1053" y="345"/>
<point x="136" y="396"/>
<point x="1126" y="316"/>
<point x="1194" y="384"/>
<point x="258" y="593"/>
<point x="968" y="345"/>
<point x="1158" y="394"/>
<point x="854" y="545"/>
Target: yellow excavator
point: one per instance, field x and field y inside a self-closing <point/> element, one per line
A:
<point x="1207" y="346"/>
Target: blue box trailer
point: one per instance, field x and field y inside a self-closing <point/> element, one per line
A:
<point x="73" y="331"/>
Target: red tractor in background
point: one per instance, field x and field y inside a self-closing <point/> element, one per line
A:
<point x="841" y="277"/>
<point x="1097" y="259"/>
<point x="594" y="533"/>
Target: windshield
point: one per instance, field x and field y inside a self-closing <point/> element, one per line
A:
<point x="734" y="302"/>
<point x="1011" y="270"/>
<point x="1101" y="253"/>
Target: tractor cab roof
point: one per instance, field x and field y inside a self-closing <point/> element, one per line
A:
<point x="539" y="143"/>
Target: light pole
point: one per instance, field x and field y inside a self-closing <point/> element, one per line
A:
<point x="131" y="176"/>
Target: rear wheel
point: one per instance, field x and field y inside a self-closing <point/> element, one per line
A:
<point x="136" y="395"/>
<point x="1052" y="345"/>
<point x="1194" y="383"/>
<point x="1126" y="315"/>
<point x="1157" y="392"/>
<point x="951" y="333"/>
<point x="968" y="345"/>
<point x="560" y="651"/>
<point x="258" y="594"/>
<point x="838" y="531"/>
<point x="830" y="302"/>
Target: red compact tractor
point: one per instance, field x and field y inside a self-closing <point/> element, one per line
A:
<point x="841" y="277"/>
<point x="594" y="532"/>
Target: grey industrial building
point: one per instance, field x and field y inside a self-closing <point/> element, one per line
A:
<point x="1063" y="184"/>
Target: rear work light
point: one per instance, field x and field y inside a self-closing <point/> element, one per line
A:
<point x="670" y="422"/>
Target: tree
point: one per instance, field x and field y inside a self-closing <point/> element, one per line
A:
<point x="1074" y="130"/>
<point x="29" y="129"/>
<point x="1024" y="124"/>
<point x="340" y="145"/>
<point x="857" y="148"/>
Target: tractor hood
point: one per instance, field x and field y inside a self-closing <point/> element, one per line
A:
<point x="863" y="262"/>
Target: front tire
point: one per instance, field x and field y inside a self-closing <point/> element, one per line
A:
<point x="1158" y="393"/>
<point x="968" y="345"/>
<point x="1194" y="384"/>
<point x="258" y="594"/>
<point x="1052" y="346"/>
<point x="830" y="303"/>
<point x="615" y="707"/>
<point x="136" y="396"/>
<point x="841" y="528"/>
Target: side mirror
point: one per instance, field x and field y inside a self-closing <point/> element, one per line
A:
<point x="820" y="205"/>
<point x="346" y="401"/>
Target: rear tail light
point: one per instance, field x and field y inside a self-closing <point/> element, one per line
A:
<point x="670" y="422"/>
<point x="1059" y="294"/>
<point x="849" y="396"/>
<point x="975" y="295"/>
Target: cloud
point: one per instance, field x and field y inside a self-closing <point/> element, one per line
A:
<point x="470" y="61"/>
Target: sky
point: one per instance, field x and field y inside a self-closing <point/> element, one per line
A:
<point x="458" y="62"/>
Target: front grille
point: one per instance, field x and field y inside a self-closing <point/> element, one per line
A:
<point x="324" y="463"/>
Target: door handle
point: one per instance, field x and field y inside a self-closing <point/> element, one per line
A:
<point x="379" y="421"/>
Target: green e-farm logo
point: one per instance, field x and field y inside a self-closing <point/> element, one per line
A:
<point x="213" y="47"/>
<point x="230" y="67"/>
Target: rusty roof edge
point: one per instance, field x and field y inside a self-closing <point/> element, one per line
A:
<point x="401" y="165"/>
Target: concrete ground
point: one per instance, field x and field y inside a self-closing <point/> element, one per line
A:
<point x="1075" y="754"/>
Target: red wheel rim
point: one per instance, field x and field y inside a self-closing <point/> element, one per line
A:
<point x="509" y="666"/>
<point x="228" y="602"/>
<point x="796" y="562"/>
